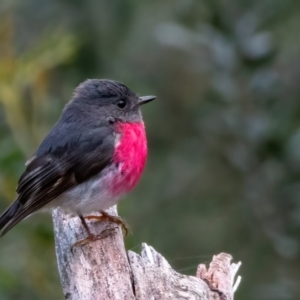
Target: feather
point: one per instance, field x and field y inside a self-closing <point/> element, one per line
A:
<point x="58" y="166"/>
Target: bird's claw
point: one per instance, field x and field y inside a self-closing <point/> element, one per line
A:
<point x="93" y="237"/>
<point x="113" y="219"/>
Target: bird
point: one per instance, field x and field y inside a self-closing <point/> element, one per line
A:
<point x="93" y="156"/>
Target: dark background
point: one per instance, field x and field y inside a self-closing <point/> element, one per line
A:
<point x="223" y="173"/>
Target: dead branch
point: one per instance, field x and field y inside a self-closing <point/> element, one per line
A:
<point x="103" y="270"/>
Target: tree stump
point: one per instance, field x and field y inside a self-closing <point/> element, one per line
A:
<point x="104" y="270"/>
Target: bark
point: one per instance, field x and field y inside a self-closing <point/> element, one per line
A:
<point x="103" y="270"/>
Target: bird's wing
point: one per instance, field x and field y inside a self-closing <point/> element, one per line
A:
<point x="52" y="172"/>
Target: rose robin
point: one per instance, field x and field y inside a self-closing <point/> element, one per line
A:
<point x="92" y="157"/>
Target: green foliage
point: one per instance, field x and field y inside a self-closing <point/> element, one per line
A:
<point x="224" y="134"/>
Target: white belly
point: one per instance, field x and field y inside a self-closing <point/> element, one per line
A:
<point x="93" y="195"/>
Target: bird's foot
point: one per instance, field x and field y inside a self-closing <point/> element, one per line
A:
<point x="112" y="219"/>
<point x="93" y="237"/>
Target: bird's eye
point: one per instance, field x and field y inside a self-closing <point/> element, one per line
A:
<point x="121" y="103"/>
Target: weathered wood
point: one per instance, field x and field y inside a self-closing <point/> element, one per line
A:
<point x="154" y="278"/>
<point x="96" y="271"/>
<point x="102" y="269"/>
<point x="220" y="276"/>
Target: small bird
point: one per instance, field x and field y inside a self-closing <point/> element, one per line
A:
<point x="93" y="156"/>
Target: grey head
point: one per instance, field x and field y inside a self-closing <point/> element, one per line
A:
<point x="105" y="101"/>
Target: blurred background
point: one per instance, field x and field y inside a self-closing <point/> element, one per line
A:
<point x="224" y="134"/>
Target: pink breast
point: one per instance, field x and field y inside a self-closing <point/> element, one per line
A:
<point x="130" y="155"/>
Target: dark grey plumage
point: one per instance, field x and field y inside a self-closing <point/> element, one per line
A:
<point x="79" y="146"/>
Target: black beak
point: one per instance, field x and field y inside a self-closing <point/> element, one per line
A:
<point x="146" y="99"/>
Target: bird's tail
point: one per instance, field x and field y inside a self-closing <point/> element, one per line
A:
<point x="7" y="216"/>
